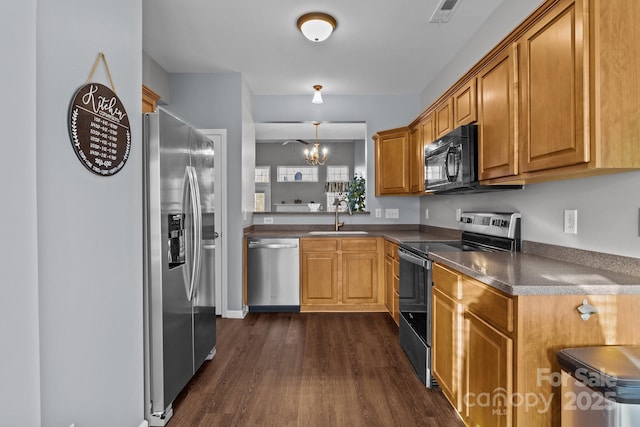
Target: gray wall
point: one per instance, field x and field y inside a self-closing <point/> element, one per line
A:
<point x="607" y="205"/>
<point x="89" y="227"/>
<point x="156" y="78"/>
<point x="275" y="154"/>
<point x="20" y="367"/>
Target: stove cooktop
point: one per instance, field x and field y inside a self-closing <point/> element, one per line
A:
<point x="481" y="231"/>
<point x="424" y="247"/>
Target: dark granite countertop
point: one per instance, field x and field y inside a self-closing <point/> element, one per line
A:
<point x="513" y="273"/>
<point x="529" y="274"/>
<point x="397" y="235"/>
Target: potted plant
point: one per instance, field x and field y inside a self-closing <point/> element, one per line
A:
<point x="356" y="193"/>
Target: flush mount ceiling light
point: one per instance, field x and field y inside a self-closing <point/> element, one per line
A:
<point x="317" y="26"/>
<point x="317" y="96"/>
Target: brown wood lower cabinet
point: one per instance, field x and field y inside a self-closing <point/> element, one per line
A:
<point x="392" y="279"/>
<point x="488" y="357"/>
<point x="447" y="316"/>
<point x="341" y="274"/>
<point x="494" y="355"/>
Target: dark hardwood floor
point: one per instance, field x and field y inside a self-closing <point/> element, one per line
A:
<point x="309" y="369"/>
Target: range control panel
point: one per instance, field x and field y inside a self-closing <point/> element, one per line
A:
<point x="502" y="224"/>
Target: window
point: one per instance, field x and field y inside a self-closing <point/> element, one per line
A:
<point x="338" y="174"/>
<point x="263" y="174"/>
<point x="297" y="174"/>
<point x="262" y="196"/>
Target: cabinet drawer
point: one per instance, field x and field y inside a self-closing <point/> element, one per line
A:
<point x="359" y="245"/>
<point x="488" y="304"/>
<point x="447" y="281"/>
<point x="390" y="249"/>
<point x="319" y="245"/>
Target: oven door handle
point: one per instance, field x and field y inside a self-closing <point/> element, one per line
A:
<point x="422" y="262"/>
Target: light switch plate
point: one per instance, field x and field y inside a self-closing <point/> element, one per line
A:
<point x="378" y="213"/>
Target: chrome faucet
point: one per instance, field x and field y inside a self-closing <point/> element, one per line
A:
<point x="337" y="202"/>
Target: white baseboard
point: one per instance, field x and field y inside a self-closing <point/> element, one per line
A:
<point x="238" y="314"/>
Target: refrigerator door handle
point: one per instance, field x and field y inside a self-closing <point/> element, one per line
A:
<point x="188" y="191"/>
<point x="197" y="207"/>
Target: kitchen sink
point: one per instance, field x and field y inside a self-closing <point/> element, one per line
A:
<point x="325" y="233"/>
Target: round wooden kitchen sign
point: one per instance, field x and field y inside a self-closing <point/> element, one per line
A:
<point x="99" y="129"/>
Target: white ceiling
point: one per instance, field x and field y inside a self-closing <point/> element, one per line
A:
<point x="327" y="131"/>
<point x="379" y="46"/>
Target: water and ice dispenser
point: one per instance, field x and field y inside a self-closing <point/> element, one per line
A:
<point x="176" y="240"/>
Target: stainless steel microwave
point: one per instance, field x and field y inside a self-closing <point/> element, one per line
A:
<point x="451" y="164"/>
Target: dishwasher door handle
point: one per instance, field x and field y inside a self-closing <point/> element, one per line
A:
<point x="271" y="246"/>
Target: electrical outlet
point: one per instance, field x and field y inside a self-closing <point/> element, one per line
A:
<point x="378" y="213"/>
<point x="392" y="213"/>
<point x="426" y="213"/>
<point x="571" y="221"/>
<point x="268" y="220"/>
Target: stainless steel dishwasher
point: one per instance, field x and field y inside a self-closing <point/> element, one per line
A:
<point x="273" y="274"/>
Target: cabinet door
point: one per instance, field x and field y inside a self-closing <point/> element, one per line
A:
<point x="359" y="277"/>
<point x="552" y="81"/>
<point x="497" y="106"/>
<point x="465" y="104"/>
<point x="319" y="278"/>
<point x="427" y="131"/>
<point x="417" y="159"/>
<point x="392" y="162"/>
<point x="444" y="118"/>
<point x="446" y="346"/>
<point x="488" y="374"/>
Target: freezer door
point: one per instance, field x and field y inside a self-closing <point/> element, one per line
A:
<point x="204" y="310"/>
<point x="168" y="309"/>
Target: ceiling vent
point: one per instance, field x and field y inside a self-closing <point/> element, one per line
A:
<point x="444" y="11"/>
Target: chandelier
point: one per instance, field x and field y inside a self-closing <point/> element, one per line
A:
<point x="312" y="157"/>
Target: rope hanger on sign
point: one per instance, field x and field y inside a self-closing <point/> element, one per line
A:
<point x="102" y="58"/>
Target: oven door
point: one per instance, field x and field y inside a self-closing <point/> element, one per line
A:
<point x="415" y="293"/>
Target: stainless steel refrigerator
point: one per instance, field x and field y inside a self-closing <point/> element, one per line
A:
<point x="180" y="322"/>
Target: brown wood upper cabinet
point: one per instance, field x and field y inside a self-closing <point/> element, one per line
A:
<point x="465" y="104"/>
<point x="557" y="98"/>
<point x="392" y="161"/>
<point x="149" y="100"/>
<point x="416" y="143"/>
<point x="577" y="112"/>
<point x="443" y="117"/>
<point x="553" y="74"/>
<point x="497" y="119"/>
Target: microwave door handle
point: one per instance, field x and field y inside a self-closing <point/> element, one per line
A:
<point x="452" y="152"/>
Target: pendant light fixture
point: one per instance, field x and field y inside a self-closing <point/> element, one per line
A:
<point x="317" y="26"/>
<point x="317" y="96"/>
<point x="312" y="157"/>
